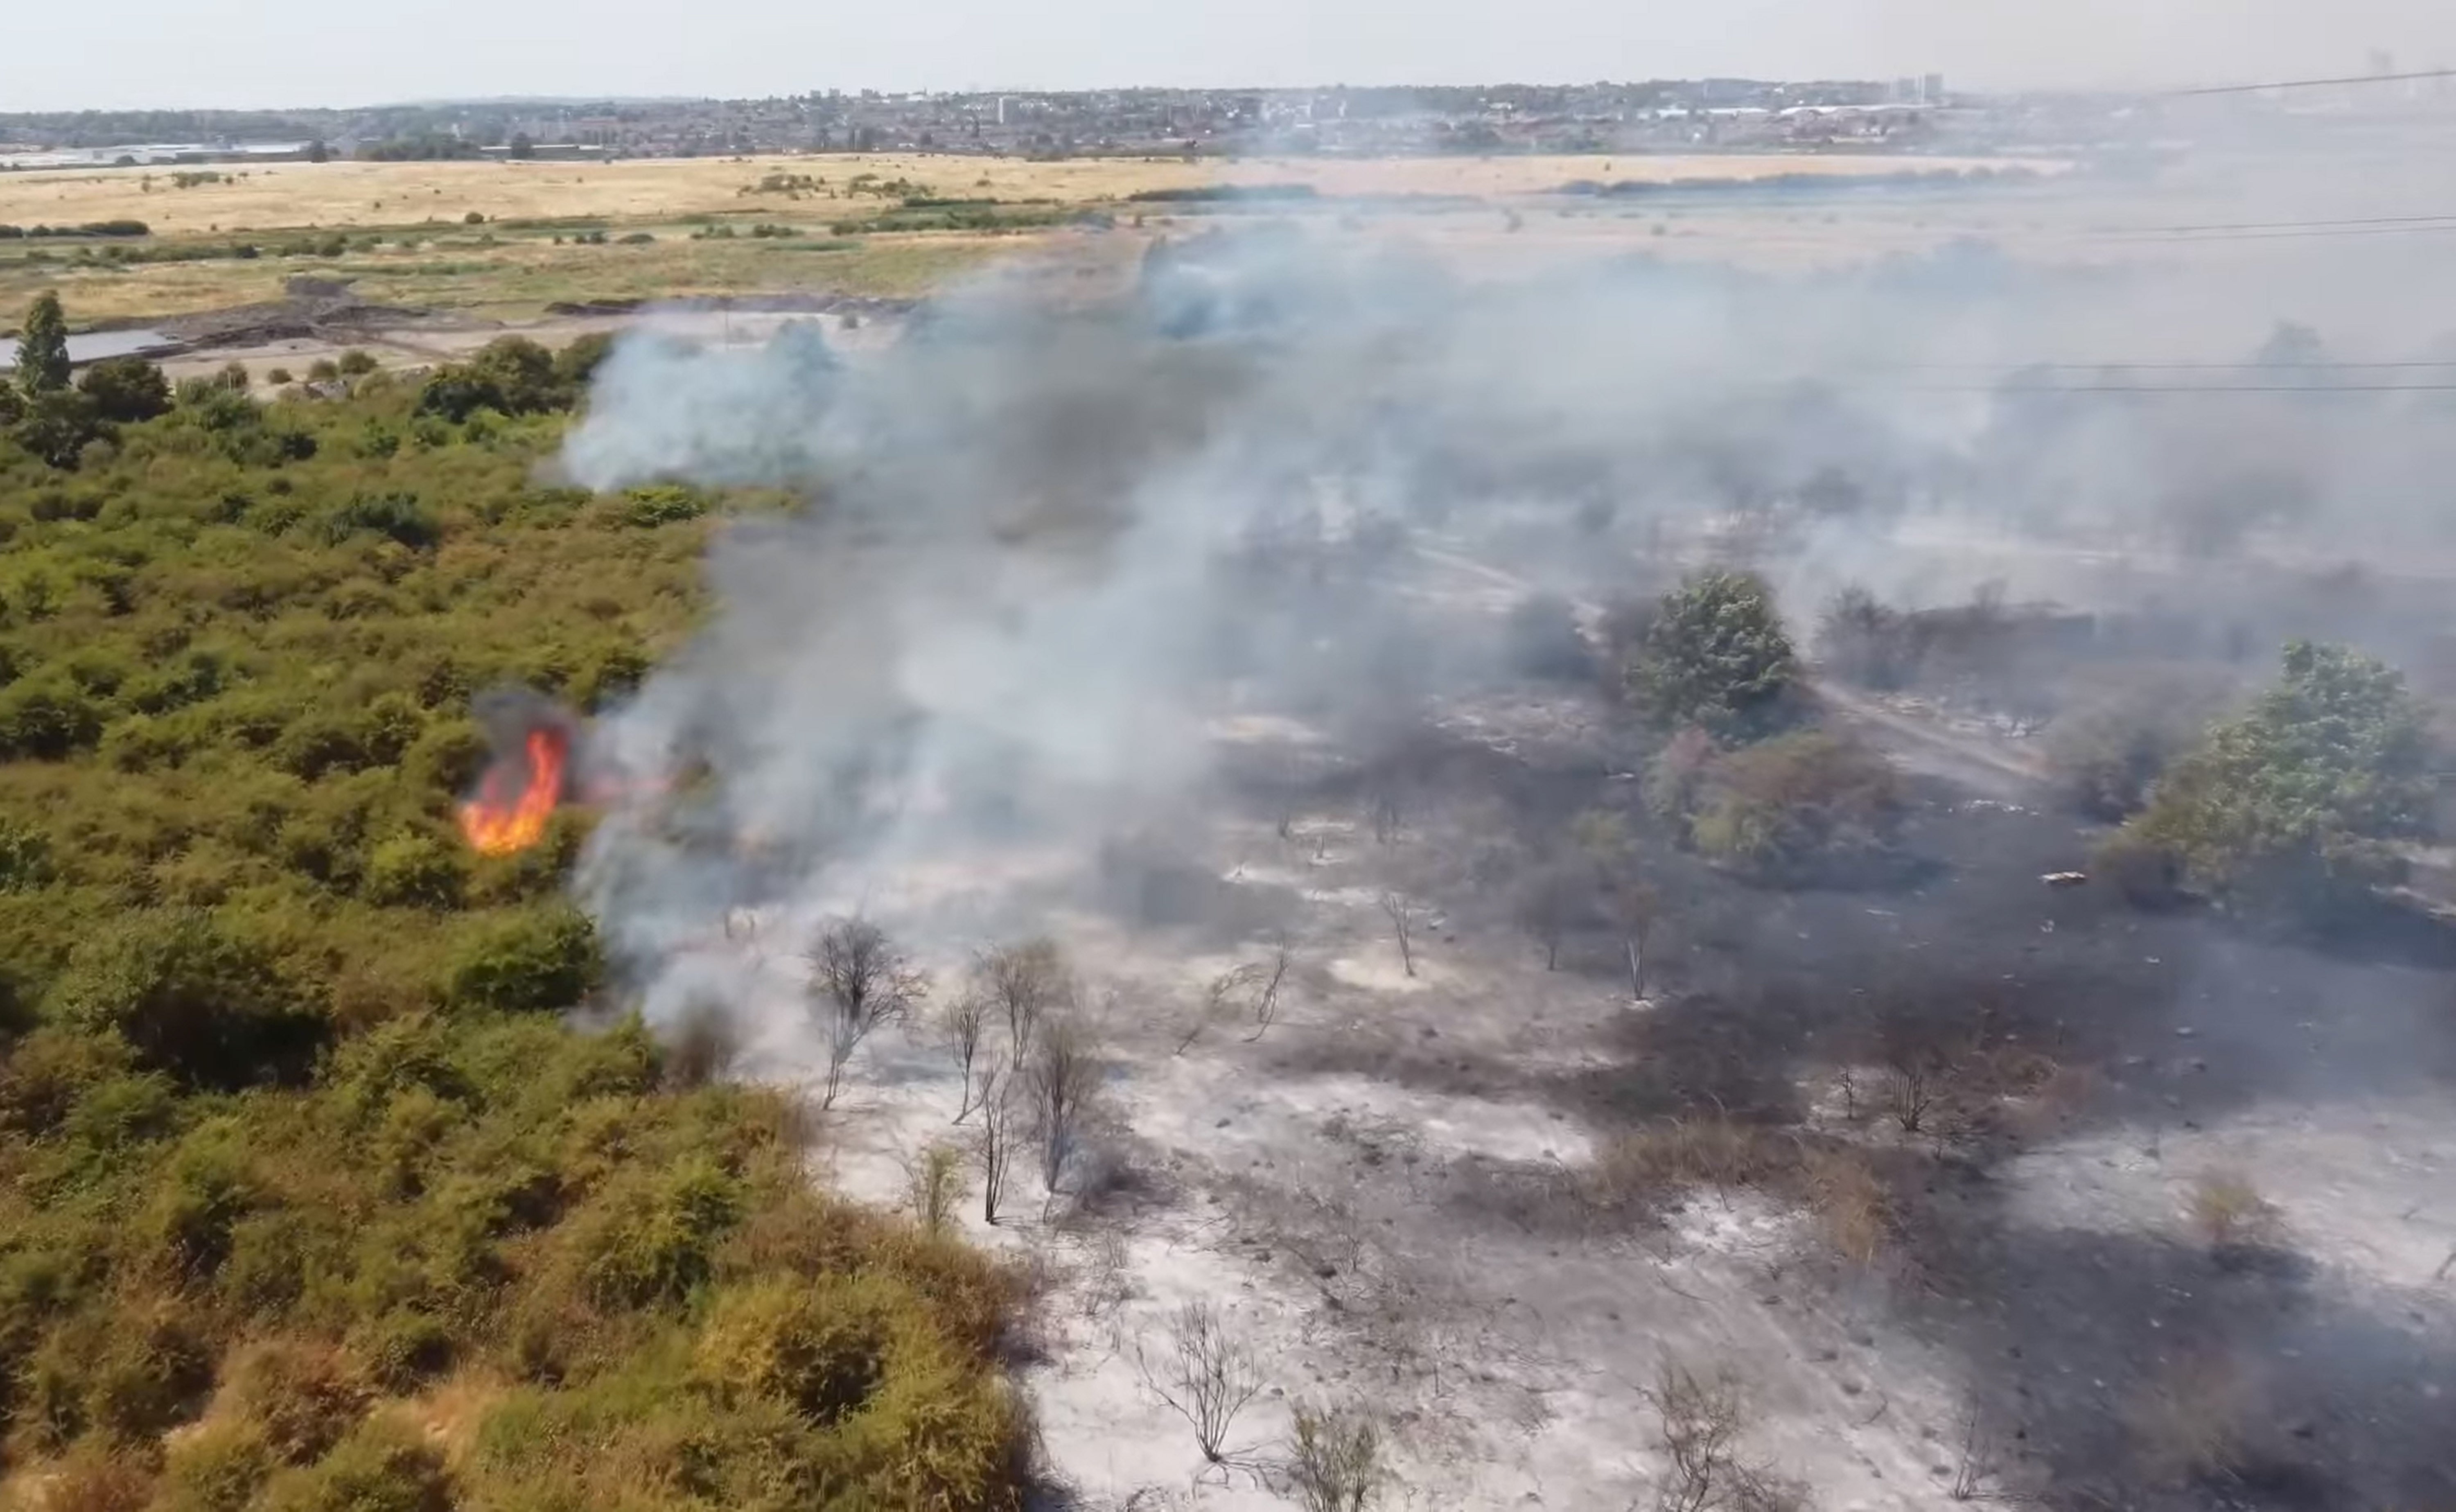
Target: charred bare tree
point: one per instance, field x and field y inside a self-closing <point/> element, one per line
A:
<point x="1335" y="1465"/>
<point x="1389" y="810"/>
<point x="963" y="1025"/>
<point x="1025" y="983"/>
<point x="1925" y="1053"/>
<point x="1633" y="903"/>
<point x="993" y="1143"/>
<point x="1270" y="976"/>
<point x="1207" y="1374"/>
<point x="1635" y="906"/>
<point x="1060" y="1082"/>
<point x="1218" y="999"/>
<point x="1402" y="910"/>
<point x="1702" y="1419"/>
<point x="1548" y="904"/>
<point x="1251" y="990"/>
<point x="858" y="981"/>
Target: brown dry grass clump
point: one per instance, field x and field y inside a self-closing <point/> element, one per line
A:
<point x="1655" y="1163"/>
<point x="2189" y="1422"/>
<point x="1837" y="1183"/>
<point x="2228" y="1214"/>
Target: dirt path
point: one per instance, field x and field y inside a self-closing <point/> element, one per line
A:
<point x="1922" y="748"/>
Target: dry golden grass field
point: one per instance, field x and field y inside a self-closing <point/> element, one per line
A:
<point x="511" y="277"/>
<point x="503" y="241"/>
<point x="289" y="195"/>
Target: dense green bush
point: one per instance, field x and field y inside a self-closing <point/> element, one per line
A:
<point x="510" y="375"/>
<point x="192" y="996"/>
<point x="535" y="959"/>
<point x="1806" y="804"/>
<point x="127" y="389"/>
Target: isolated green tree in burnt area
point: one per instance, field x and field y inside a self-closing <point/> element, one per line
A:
<point x="2299" y="801"/>
<point x="1716" y="656"/>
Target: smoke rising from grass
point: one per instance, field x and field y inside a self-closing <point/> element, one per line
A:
<point x="1049" y="546"/>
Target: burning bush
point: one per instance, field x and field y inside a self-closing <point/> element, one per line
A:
<point x="524" y="784"/>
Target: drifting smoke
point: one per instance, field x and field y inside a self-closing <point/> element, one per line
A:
<point x="1027" y="588"/>
<point x="531" y="743"/>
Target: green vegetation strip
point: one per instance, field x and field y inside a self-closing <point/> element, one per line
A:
<point x="308" y="1197"/>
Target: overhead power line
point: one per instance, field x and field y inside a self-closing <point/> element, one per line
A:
<point x="2298" y="225"/>
<point x="2275" y="230"/>
<point x="2324" y="366"/>
<point x="2313" y="84"/>
<point x="2024" y="390"/>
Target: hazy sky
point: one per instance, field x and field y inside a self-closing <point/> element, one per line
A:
<point x="73" y="53"/>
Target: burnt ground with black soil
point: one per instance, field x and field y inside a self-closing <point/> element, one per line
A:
<point x="1963" y="1260"/>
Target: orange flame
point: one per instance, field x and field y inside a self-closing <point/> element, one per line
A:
<point x="518" y="797"/>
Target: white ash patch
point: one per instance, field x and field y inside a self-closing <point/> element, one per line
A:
<point x="2366" y="1188"/>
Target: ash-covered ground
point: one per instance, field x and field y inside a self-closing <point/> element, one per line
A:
<point x="1395" y="1193"/>
<point x="1274" y="612"/>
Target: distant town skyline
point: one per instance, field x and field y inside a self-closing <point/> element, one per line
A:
<point x="241" y="54"/>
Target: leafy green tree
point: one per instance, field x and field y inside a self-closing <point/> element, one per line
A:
<point x="319" y="152"/>
<point x="523" y="148"/>
<point x="43" y="347"/>
<point x="512" y="375"/>
<point x="1716" y="656"/>
<point x="127" y="389"/>
<point x="2297" y="803"/>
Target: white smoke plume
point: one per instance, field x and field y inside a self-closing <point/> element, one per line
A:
<point x="1026" y="581"/>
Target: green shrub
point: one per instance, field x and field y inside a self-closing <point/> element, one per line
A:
<point x="47" y="718"/>
<point x="540" y="959"/>
<point x="655" y="504"/>
<point x="303" y="1396"/>
<point x="820" y="1349"/>
<point x="386" y="1465"/>
<point x="200" y="1196"/>
<point x="220" y="1467"/>
<point x="153" y="1372"/>
<point x="395" y="516"/>
<point x="652" y="1239"/>
<point x="413" y="871"/>
<point x="1800" y="803"/>
<point x="192" y="997"/>
<point x="98" y="1480"/>
<point x="25" y="856"/>
<point x="403" y="1348"/>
